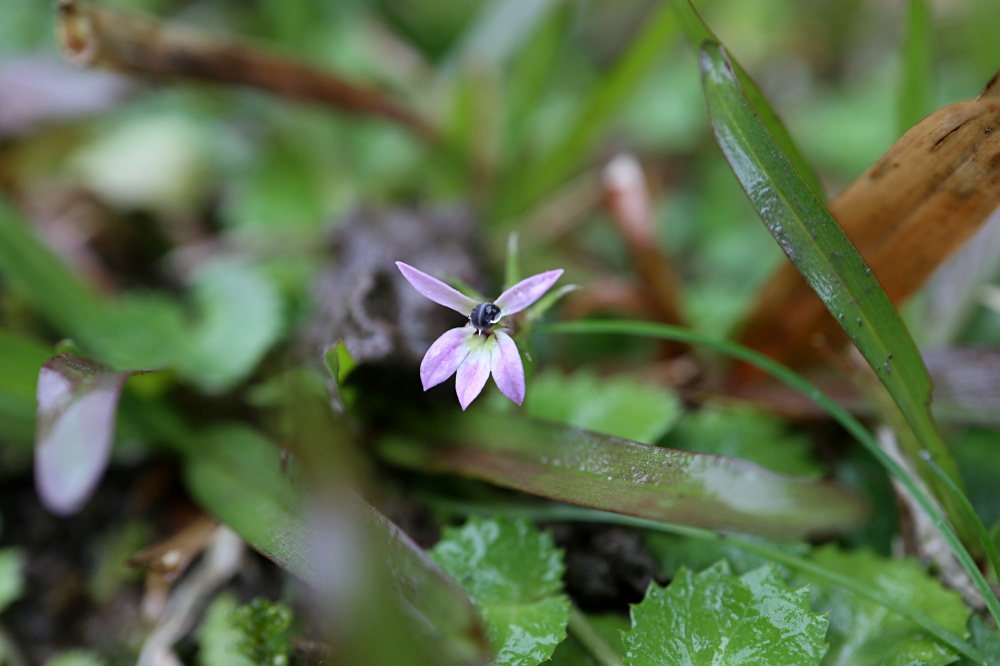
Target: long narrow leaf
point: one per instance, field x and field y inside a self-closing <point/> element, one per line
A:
<point x="613" y="474"/>
<point x="825" y="257"/>
<point x="698" y="33"/>
<point x="915" y="91"/>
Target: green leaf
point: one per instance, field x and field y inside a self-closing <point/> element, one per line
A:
<point x="21" y="358"/>
<point x="716" y="618"/>
<point x="240" y="319"/>
<point x="604" y="472"/>
<point x="698" y="33"/>
<point x="863" y="633"/>
<point x="615" y="405"/>
<point x="11" y="576"/>
<point x="236" y="475"/>
<point x="217" y="637"/>
<point x="825" y="257"/>
<point x="513" y="573"/>
<point x="987" y="640"/>
<point x="746" y="434"/>
<point x="76" y="658"/>
<point x="917" y="65"/>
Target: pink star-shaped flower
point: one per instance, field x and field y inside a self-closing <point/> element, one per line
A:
<point x="475" y="351"/>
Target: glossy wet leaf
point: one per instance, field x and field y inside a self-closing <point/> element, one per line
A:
<point x="513" y="572"/>
<point x="604" y="472"/>
<point x="753" y="436"/>
<point x="613" y="405"/>
<point x="863" y="633"/>
<point x="77" y="402"/>
<point x="715" y="618"/>
<point x="822" y="253"/>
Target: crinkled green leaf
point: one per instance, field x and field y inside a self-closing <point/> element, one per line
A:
<point x="714" y="617"/>
<point x="77" y="403"/>
<point x="863" y="633"/>
<point x="616" y="405"/>
<point x="513" y="572"/>
<point x="987" y="639"/>
<point x="746" y="434"/>
<point x="240" y="319"/>
<point x="217" y="635"/>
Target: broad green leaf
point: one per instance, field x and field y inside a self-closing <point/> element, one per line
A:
<point x="746" y="434"/>
<point x="236" y="475"/>
<point x="917" y="66"/>
<point x="604" y="472"/>
<point x="513" y="572"/>
<point x="822" y="253"/>
<point x="863" y="633"/>
<point x="719" y="619"/>
<point x="615" y="405"/>
<point x="77" y="403"/>
<point x="240" y="319"/>
<point x="21" y="358"/>
<point x="698" y="33"/>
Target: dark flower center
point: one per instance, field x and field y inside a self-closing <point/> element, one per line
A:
<point x="484" y="316"/>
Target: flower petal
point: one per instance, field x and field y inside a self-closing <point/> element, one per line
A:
<point x="474" y="371"/>
<point x="526" y="292"/>
<point x="436" y="290"/>
<point x="445" y="356"/>
<point x="506" y="366"/>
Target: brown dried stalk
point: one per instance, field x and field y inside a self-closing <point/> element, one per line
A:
<point x="99" y="37"/>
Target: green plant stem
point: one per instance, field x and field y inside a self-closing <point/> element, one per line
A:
<point x="838" y="413"/>
<point x="584" y="631"/>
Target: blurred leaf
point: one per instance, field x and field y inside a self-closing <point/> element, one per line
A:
<point x="217" y="636"/>
<point x="714" y="617"/>
<point x="604" y="472"/>
<point x="77" y="402"/>
<point x="986" y="639"/>
<point x="11" y="576"/>
<point x="917" y="66"/>
<point x="976" y="451"/>
<point x="21" y="358"/>
<point x="615" y="405"/>
<point x="609" y="626"/>
<point x="501" y="27"/>
<point x="750" y="435"/>
<point x="76" y="658"/>
<point x="698" y="34"/>
<point x="513" y="573"/>
<point x="524" y="186"/>
<point x="236" y="475"/>
<point x="818" y="248"/>
<point x="863" y="633"/>
<point x="240" y="318"/>
<point x="674" y="552"/>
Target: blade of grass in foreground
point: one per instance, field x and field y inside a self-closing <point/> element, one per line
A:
<point x="825" y="257"/>
<point x="838" y="413"/>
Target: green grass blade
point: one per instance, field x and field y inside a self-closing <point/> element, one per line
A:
<point x="915" y="90"/>
<point x="698" y="33"/>
<point x="524" y="187"/>
<point x="825" y="257"/>
<point x="838" y="413"/>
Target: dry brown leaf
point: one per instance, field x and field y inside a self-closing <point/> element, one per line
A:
<point x="906" y="215"/>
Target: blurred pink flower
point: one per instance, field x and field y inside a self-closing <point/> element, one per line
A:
<point x="475" y="351"/>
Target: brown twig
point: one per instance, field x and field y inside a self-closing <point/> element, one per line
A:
<point x="628" y="202"/>
<point x="99" y="37"/>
